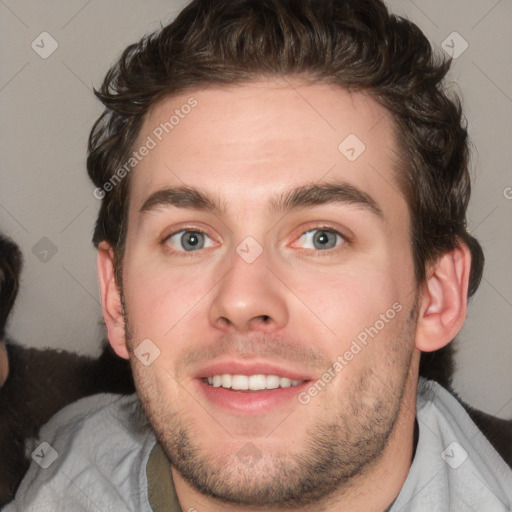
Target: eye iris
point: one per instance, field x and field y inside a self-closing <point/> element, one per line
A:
<point x="192" y="240"/>
<point x="322" y="237"/>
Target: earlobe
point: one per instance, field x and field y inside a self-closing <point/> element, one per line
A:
<point x="443" y="301"/>
<point x="111" y="300"/>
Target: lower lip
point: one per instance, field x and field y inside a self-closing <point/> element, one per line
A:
<point x="250" y="402"/>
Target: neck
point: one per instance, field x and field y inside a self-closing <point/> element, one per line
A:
<point x="374" y="490"/>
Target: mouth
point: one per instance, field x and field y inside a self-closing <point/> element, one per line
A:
<point x="257" y="382"/>
<point x="246" y="388"/>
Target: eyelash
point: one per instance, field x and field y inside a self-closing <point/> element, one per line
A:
<point x="316" y="252"/>
<point x="345" y="240"/>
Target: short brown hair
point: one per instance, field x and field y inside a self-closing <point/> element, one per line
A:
<point x="354" y="44"/>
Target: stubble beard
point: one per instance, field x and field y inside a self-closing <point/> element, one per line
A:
<point x="334" y="451"/>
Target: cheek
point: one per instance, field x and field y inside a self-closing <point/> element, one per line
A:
<point x="346" y="303"/>
<point x="160" y="298"/>
<point x="167" y="302"/>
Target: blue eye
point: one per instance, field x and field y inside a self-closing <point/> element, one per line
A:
<point x="189" y="240"/>
<point x="322" y="239"/>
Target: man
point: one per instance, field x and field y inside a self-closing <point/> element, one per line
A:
<point x="282" y="235"/>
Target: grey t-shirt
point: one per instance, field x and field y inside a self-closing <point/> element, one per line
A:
<point x="93" y="456"/>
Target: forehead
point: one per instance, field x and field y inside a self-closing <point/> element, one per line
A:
<point x="244" y="143"/>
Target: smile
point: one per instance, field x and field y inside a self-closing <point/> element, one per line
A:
<point x="251" y="382"/>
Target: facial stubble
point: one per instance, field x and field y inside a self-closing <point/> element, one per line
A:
<point x="334" y="451"/>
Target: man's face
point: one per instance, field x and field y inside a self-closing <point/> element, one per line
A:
<point x="264" y="288"/>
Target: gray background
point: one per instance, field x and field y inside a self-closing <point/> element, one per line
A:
<point x="47" y="109"/>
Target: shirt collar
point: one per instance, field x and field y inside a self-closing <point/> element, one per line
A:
<point x="161" y="492"/>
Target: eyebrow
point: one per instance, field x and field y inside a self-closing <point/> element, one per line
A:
<point x="306" y="196"/>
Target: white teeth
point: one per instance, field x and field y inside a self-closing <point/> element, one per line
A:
<point x="226" y="380"/>
<point x="285" y="383"/>
<point x="252" y="382"/>
<point x="272" y="381"/>
<point x="257" y="382"/>
<point x="239" y="382"/>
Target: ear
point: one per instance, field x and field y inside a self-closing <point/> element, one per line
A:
<point x="111" y="300"/>
<point x="443" y="300"/>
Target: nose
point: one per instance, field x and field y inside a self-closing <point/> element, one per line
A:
<point x="250" y="297"/>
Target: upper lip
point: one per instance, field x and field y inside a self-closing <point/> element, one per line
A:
<point x="248" y="367"/>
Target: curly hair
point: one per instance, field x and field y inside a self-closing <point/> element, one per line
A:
<point x="354" y="44"/>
